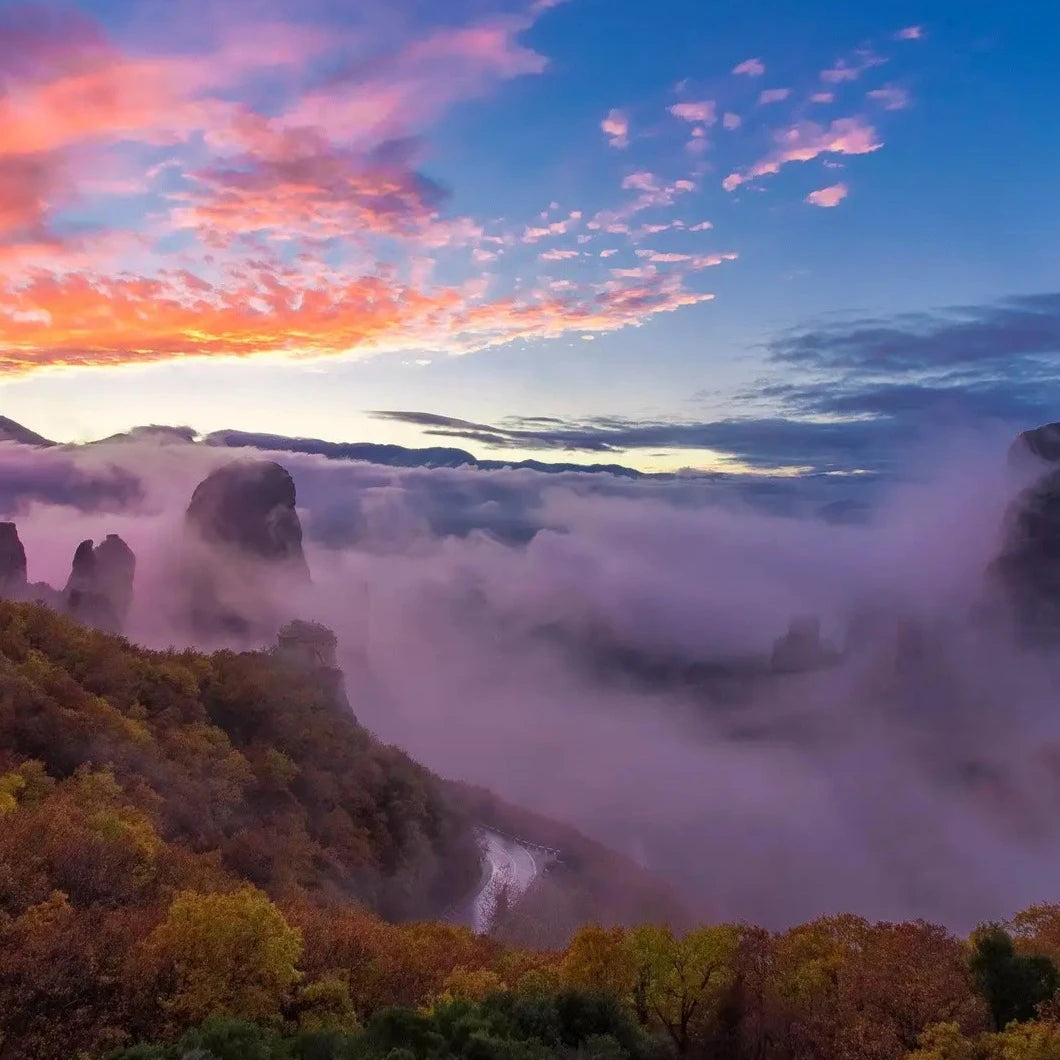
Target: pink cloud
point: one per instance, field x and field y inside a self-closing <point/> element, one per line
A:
<point x="773" y="95"/>
<point x="750" y="68"/>
<point x="703" y="226"/>
<point x="822" y="97"/>
<point x="705" y="111"/>
<point x="640" y="181"/>
<point x="806" y="141"/>
<point x="833" y="195"/>
<point x="844" y="71"/>
<point x="608" y="253"/>
<point x="559" y="255"/>
<point x="891" y="97"/>
<point x="616" y="127"/>
<point x="910" y="33"/>
<point x="731" y="121"/>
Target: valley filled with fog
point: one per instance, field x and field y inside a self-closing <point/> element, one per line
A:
<point x="599" y="650"/>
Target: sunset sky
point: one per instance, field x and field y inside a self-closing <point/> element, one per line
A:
<point x="745" y="234"/>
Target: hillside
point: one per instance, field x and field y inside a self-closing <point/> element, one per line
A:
<point x="233" y="763"/>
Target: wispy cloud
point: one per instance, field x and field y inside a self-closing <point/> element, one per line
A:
<point x="704" y="111"/>
<point x="910" y="33"/>
<point x="616" y="128"/>
<point x="891" y="97"/>
<point x="833" y="195"/>
<point x="773" y="95"/>
<point x="750" y="68"/>
<point x="807" y="141"/>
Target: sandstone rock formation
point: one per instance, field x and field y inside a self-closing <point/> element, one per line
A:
<point x="244" y="551"/>
<point x="99" y="590"/>
<point x="13" y="583"/>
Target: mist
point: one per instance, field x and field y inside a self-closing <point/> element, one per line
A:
<point x="485" y="619"/>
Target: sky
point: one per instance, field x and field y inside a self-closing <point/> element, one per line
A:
<point x="741" y="235"/>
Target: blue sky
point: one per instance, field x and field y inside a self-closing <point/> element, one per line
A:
<point x="285" y="218"/>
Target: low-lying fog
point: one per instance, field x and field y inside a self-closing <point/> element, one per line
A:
<point x="880" y="785"/>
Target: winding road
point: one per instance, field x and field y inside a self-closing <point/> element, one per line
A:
<point x="509" y="867"/>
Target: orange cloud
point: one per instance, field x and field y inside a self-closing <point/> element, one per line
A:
<point x="833" y="195"/>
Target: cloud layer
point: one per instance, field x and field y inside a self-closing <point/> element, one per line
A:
<point x="552" y="663"/>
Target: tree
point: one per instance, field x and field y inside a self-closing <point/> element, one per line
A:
<point x="224" y="955"/>
<point x="1012" y="985"/>
<point x="599" y="959"/>
<point x="682" y="980"/>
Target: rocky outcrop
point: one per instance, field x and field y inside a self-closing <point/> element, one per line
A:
<point x="244" y="551"/>
<point x="249" y="507"/>
<point x="99" y="590"/>
<point x="1025" y="577"/>
<point x="13" y="583"/>
<point x="1042" y="443"/>
<point x="311" y="648"/>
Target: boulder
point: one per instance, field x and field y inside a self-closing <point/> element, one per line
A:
<point x="13" y="583"/>
<point x="99" y="589"/>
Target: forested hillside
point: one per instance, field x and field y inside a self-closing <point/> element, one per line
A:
<point x="133" y="770"/>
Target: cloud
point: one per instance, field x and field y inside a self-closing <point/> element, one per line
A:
<point x="806" y="141"/>
<point x="891" y="97"/>
<point x="846" y="71"/>
<point x="833" y="195"/>
<point x="730" y="120"/>
<point x="616" y="127"/>
<point x="822" y="97"/>
<point x="773" y="95"/>
<point x="910" y="33"/>
<point x="704" y="111"/>
<point x="559" y="255"/>
<point x="750" y="68"/>
<point x="1024" y="326"/>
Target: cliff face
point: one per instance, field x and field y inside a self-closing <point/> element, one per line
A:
<point x="1026" y="573"/>
<point x="12" y="563"/>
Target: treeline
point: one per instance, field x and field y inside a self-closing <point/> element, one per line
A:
<point x="304" y="983"/>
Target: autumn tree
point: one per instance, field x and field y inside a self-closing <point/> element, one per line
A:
<point x="224" y="955"/>
<point x="681" y="980"/>
<point x="1012" y="984"/>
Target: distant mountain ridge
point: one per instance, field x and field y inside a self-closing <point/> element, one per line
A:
<point x="387" y="455"/>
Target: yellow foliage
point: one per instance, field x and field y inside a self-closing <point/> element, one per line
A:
<point x="225" y="955"/>
<point x="472" y="984"/>
<point x="597" y="958"/>
<point x="11" y="786"/>
<point x="326" y="1005"/>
